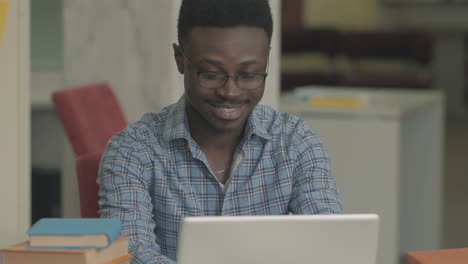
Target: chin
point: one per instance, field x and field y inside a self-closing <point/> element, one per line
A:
<point x="228" y="126"/>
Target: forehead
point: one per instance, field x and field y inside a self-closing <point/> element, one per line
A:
<point x="230" y="41"/>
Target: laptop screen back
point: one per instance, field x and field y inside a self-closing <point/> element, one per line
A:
<point x="332" y="239"/>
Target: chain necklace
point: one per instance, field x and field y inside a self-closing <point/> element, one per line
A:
<point x="221" y="171"/>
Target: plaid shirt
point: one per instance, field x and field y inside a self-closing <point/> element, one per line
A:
<point x="153" y="174"/>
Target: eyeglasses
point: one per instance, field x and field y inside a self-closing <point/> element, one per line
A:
<point x="214" y="80"/>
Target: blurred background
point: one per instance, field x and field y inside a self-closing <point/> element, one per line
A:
<point x="413" y="47"/>
<point x="401" y="44"/>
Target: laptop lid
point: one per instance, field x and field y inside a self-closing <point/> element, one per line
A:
<point x="332" y="239"/>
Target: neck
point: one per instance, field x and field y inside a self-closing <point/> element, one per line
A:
<point x="208" y="137"/>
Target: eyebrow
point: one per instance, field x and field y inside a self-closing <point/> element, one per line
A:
<point x="219" y="63"/>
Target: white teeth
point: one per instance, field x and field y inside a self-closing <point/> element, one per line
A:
<point x="228" y="109"/>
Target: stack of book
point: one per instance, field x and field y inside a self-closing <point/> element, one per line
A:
<point x="70" y="241"/>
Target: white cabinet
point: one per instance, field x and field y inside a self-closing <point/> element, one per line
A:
<point x="387" y="159"/>
<point x="14" y="116"/>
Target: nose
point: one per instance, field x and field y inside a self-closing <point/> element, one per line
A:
<point x="229" y="90"/>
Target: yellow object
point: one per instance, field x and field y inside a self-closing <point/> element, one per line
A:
<point x="329" y="101"/>
<point x="3" y="17"/>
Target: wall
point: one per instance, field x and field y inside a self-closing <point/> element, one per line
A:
<point x="272" y="91"/>
<point x="46" y="34"/>
<point x="448" y="24"/>
<point x="14" y="114"/>
<point x="342" y="14"/>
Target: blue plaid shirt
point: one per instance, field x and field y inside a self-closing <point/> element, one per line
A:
<point x="153" y="174"/>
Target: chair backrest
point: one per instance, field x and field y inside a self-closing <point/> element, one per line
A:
<point x="87" y="169"/>
<point x="441" y="256"/>
<point x="90" y="115"/>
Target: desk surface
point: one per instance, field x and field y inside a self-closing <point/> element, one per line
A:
<point x="11" y="238"/>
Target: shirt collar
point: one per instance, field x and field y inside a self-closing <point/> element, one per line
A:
<point x="177" y="126"/>
<point x="256" y="124"/>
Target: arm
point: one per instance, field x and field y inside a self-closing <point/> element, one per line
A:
<point x="314" y="189"/>
<point x="123" y="180"/>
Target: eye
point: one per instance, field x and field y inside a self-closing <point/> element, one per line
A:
<point x="248" y="76"/>
<point x="212" y="75"/>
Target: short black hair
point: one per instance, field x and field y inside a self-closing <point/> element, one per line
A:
<point x="223" y="13"/>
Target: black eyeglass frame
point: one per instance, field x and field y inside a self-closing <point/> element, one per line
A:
<point x="227" y="76"/>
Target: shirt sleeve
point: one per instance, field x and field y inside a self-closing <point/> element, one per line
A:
<point x="124" y="193"/>
<point x="314" y="189"/>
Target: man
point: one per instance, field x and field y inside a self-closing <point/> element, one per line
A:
<point x="214" y="152"/>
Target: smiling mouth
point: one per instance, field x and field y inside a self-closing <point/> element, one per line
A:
<point x="226" y="108"/>
<point x="227" y="111"/>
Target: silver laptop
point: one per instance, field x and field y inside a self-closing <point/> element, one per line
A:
<point x="290" y="239"/>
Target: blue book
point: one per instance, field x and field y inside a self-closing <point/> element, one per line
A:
<point x="74" y="232"/>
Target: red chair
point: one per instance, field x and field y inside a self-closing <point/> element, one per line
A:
<point x="87" y="169"/>
<point x="440" y="256"/>
<point x="90" y="115"/>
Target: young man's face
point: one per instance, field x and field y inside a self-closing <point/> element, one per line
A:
<point x="211" y="52"/>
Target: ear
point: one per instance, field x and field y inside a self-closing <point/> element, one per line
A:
<point x="179" y="58"/>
